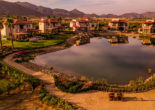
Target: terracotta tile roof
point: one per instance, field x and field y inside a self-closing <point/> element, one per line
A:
<point x="119" y="21"/>
<point x="149" y="22"/>
<point x="22" y="22"/>
<point x="48" y="21"/>
<point x="107" y="26"/>
<point x="82" y="20"/>
<point x="19" y="22"/>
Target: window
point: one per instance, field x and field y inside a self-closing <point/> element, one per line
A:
<point x="21" y="26"/>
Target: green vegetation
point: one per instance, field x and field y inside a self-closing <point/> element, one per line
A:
<point x="149" y="70"/>
<point x="32" y="45"/>
<point x="144" y="36"/>
<point x="134" y="27"/>
<point x="25" y="56"/>
<point x="6" y="85"/>
<point x="134" y="86"/>
<point x="51" y="68"/>
<point x="10" y="79"/>
<point x="51" y="40"/>
<point x="55" y="102"/>
<point x="70" y="86"/>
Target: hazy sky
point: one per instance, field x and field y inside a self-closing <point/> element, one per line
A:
<point x="98" y="6"/>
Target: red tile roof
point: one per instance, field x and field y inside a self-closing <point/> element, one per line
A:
<point x="48" y="21"/>
<point x="19" y="22"/>
<point x="149" y="22"/>
<point x="121" y="21"/>
<point x="82" y="20"/>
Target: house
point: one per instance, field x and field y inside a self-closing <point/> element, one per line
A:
<point x="83" y="24"/>
<point x="20" y="26"/>
<point x="49" y="26"/>
<point x="148" y="27"/>
<point x="118" y="25"/>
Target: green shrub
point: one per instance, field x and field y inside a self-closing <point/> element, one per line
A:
<point x="47" y="98"/>
<point x="17" y="76"/>
<point x="42" y="95"/>
<point x="53" y="102"/>
<point x="51" y="68"/>
<point x="70" y="86"/>
<point x="6" y="85"/>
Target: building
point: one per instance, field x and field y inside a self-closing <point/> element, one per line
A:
<point x="49" y="26"/>
<point x="118" y="25"/>
<point x="148" y="27"/>
<point x="20" y="26"/>
<point x="83" y="24"/>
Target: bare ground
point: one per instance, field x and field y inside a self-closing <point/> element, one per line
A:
<point x="22" y="101"/>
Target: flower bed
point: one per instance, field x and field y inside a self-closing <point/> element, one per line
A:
<point x="24" y="56"/>
<point x="72" y="86"/>
<point x="11" y="78"/>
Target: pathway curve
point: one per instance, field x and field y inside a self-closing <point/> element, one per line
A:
<point x="93" y="100"/>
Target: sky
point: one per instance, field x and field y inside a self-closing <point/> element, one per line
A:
<point x="98" y="6"/>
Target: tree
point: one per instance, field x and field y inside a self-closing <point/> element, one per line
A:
<point x="132" y="83"/>
<point x="140" y="80"/>
<point x="10" y="24"/>
<point x="1" y="45"/>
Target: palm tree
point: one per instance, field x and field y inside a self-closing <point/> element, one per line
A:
<point x="10" y="24"/>
<point x="1" y="45"/>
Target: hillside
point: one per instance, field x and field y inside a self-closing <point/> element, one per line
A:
<point x="28" y="9"/>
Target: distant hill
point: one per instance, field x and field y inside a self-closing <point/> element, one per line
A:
<point x="15" y="9"/>
<point x="131" y="15"/>
<point x="28" y="9"/>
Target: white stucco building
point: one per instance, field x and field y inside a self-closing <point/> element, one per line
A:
<point x="148" y="27"/>
<point x="83" y="24"/>
<point x="19" y="27"/>
<point x="49" y="25"/>
<point x="118" y="25"/>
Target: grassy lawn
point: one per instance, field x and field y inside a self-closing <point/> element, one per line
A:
<point x="56" y="39"/>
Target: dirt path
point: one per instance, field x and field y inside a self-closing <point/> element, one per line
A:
<point x="93" y="100"/>
<point x="23" y="101"/>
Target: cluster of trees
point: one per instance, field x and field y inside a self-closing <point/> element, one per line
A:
<point x="134" y="27"/>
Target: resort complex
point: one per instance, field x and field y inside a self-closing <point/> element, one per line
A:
<point x="55" y="59"/>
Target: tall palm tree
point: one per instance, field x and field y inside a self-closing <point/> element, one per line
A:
<point x="10" y="24"/>
<point x="1" y="45"/>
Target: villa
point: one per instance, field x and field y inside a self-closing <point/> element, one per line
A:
<point x="148" y="27"/>
<point x="49" y="26"/>
<point x="83" y="24"/>
<point x="118" y="25"/>
<point x="20" y="28"/>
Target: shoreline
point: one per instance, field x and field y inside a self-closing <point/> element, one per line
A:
<point x="47" y="70"/>
<point x="92" y="100"/>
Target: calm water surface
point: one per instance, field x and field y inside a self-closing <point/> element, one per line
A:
<point x="100" y="59"/>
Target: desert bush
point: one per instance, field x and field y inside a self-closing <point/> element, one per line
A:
<point x="55" y="102"/>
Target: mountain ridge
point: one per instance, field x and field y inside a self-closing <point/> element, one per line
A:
<point x="28" y="9"/>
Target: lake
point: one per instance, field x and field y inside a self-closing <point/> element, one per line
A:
<point x="116" y="62"/>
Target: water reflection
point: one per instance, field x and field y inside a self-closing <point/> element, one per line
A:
<point x="99" y="59"/>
